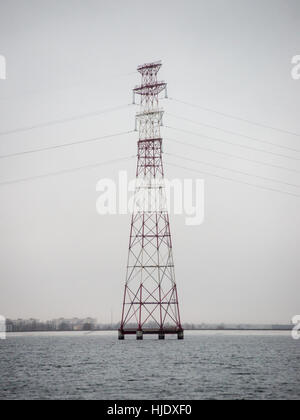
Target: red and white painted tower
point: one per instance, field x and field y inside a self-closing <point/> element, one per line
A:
<point x="150" y="304"/>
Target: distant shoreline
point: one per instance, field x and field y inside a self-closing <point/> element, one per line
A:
<point x="186" y="329"/>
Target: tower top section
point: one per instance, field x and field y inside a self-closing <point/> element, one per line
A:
<point x="150" y="67"/>
<point x="150" y="86"/>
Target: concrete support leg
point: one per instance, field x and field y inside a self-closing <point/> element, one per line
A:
<point x="161" y="336"/>
<point x="120" y="335"/>
<point x="139" y="335"/>
<point x="180" y="335"/>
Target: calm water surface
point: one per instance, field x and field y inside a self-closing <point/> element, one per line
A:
<point x="206" y="365"/>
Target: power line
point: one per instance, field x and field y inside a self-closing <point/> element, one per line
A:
<point x="232" y="156"/>
<point x="64" y="120"/>
<point x="234" y="170"/>
<point x="233" y="180"/>
<point x="233" y="132"/>
<point x="65" y="171"/>
<point x="228" y="142"/>
<point x="42" y="149"/>
<point x="236" y="118"/>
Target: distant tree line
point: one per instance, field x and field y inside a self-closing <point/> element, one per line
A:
<point x="90" y="324"/>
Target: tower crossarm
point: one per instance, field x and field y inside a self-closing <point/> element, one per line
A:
<point x="150" y="88"/>
<point x="150" y="67"/>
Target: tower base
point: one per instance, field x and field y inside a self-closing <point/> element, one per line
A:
<point x="160" y="333"/>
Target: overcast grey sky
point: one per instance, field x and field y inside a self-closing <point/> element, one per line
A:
<point x="58" y="257"/>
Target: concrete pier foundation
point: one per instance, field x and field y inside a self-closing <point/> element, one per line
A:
<point x="139" y="335"/>
<point x="120" y="335"/>
<point x="180" y="335"/>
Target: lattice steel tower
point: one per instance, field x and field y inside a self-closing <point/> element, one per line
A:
<point x="150" y="304"/>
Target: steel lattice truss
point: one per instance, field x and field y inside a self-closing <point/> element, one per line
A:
<point x="150" y="297"/>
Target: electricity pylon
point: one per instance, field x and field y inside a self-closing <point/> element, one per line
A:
<point x="150" y="304"/>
